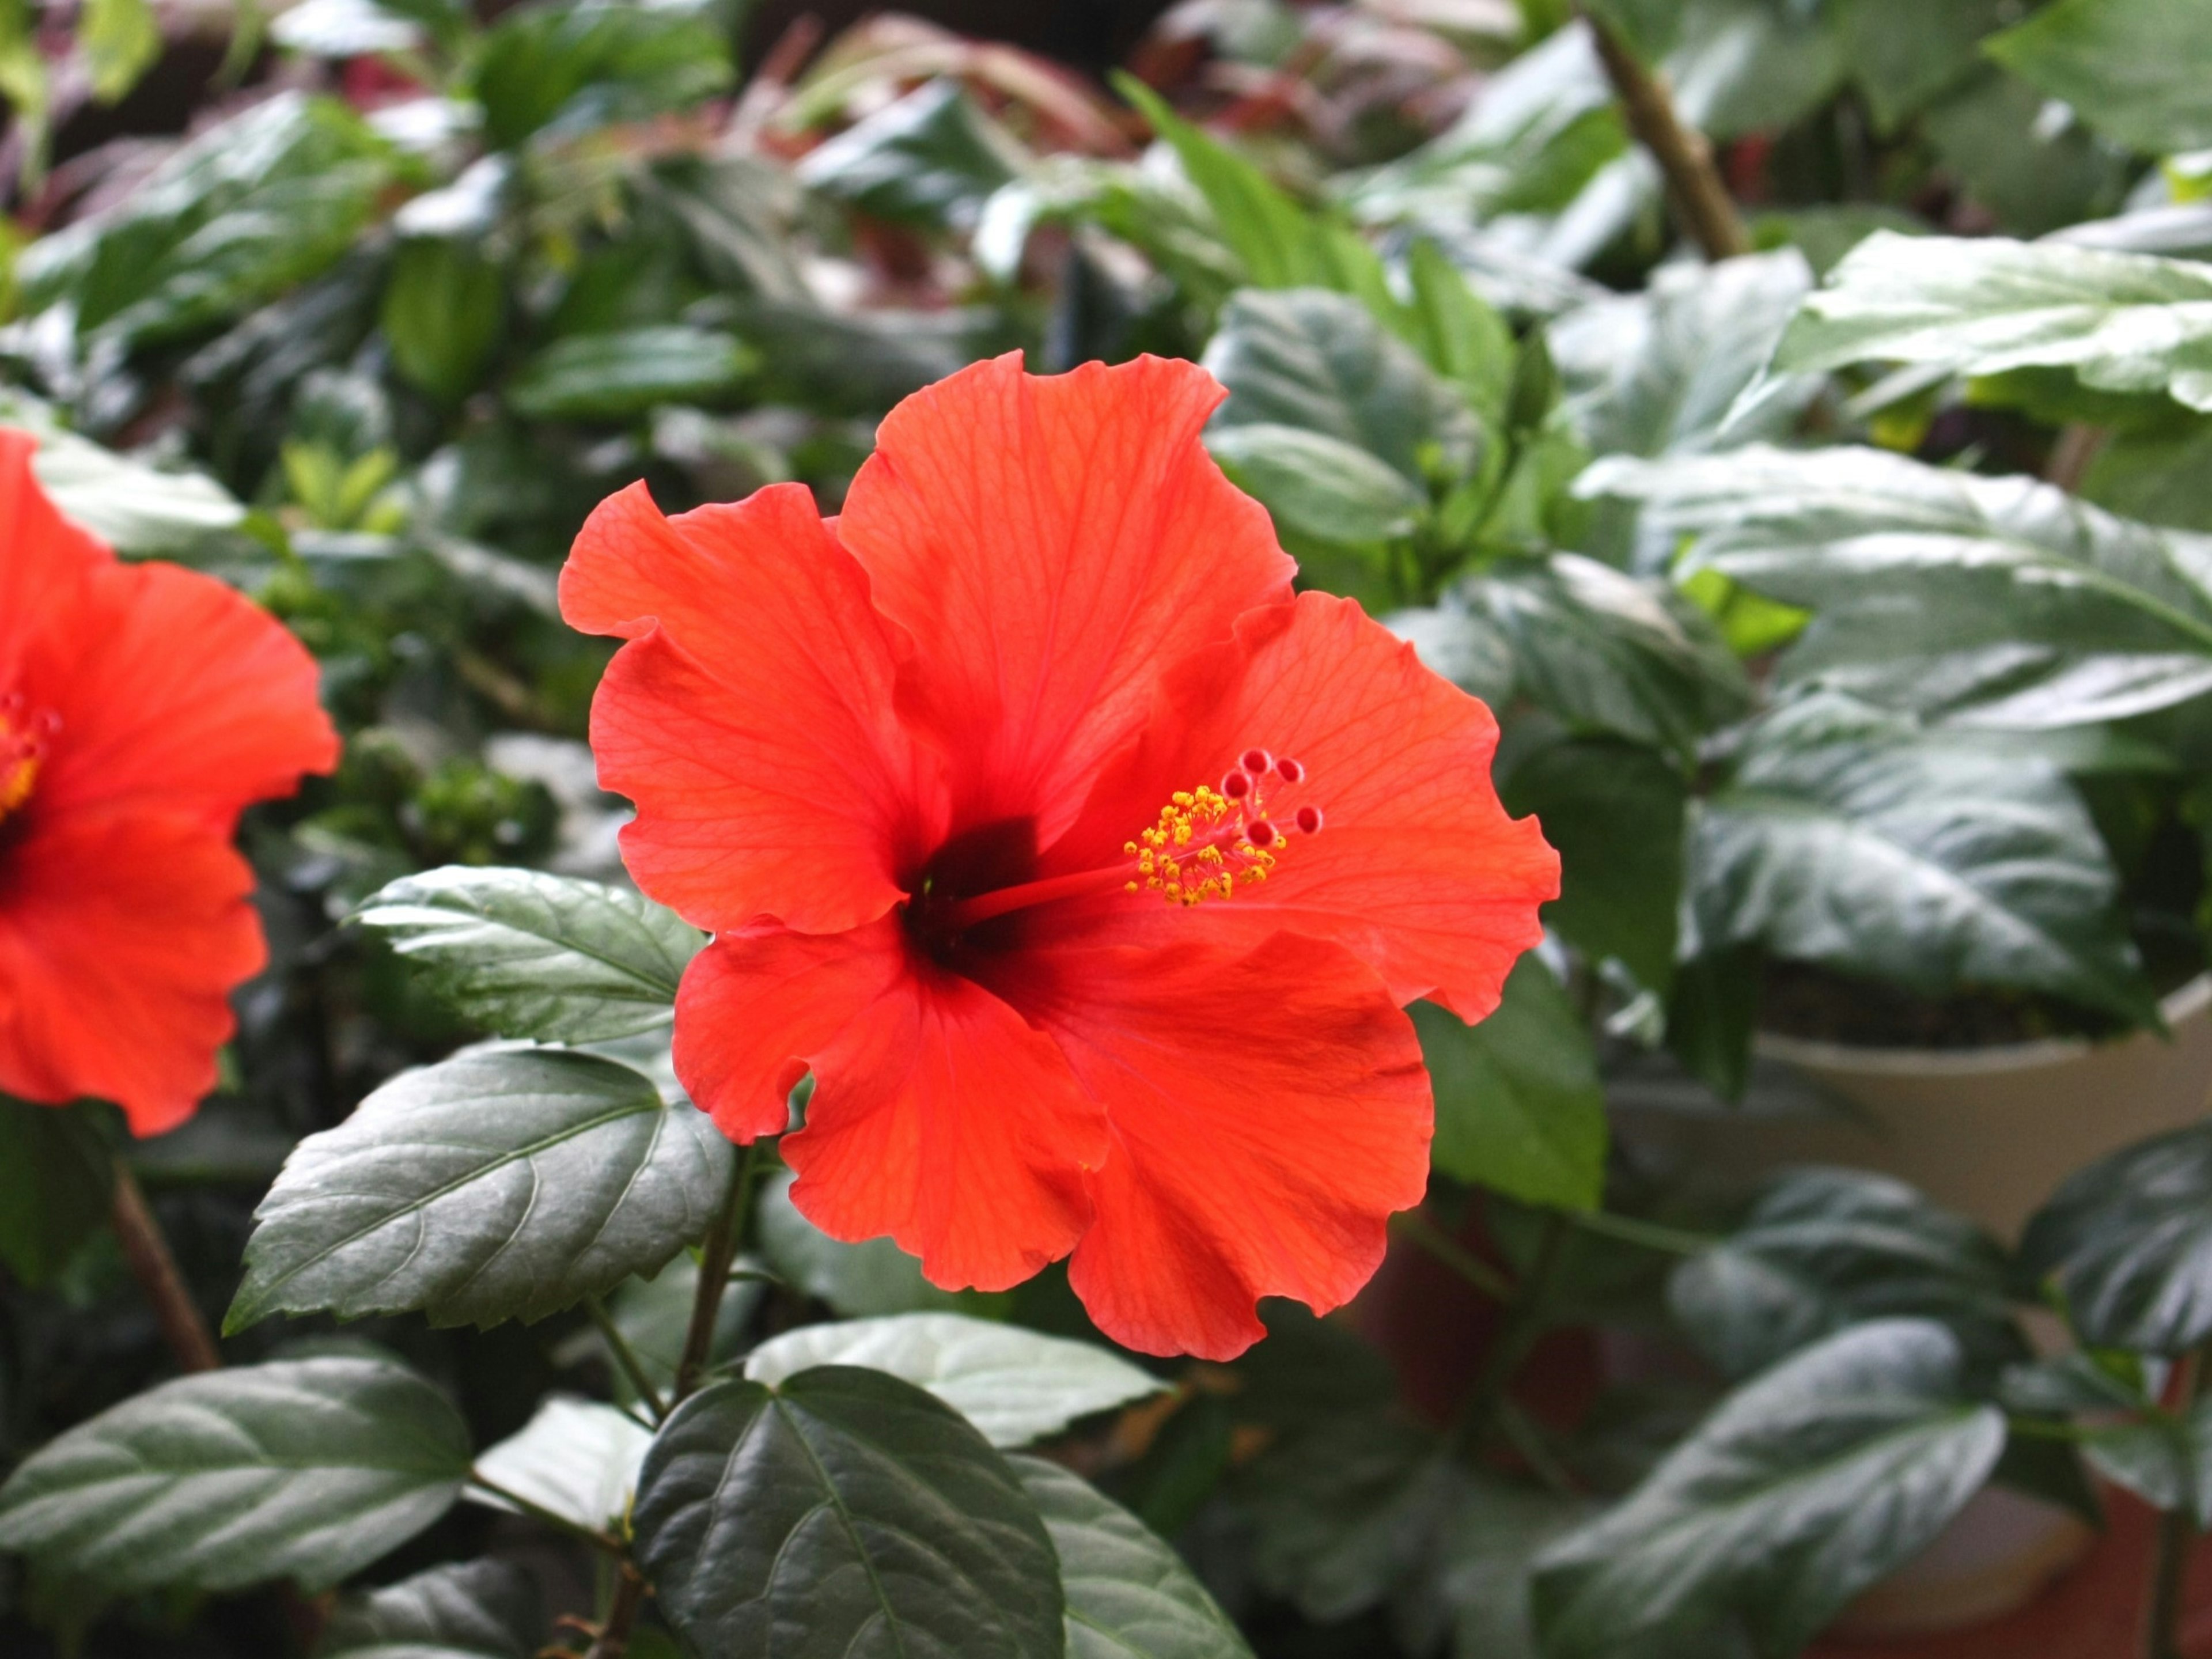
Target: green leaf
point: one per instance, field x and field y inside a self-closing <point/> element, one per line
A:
<point x="584" y="65"/>
<point x="625" y="371"/>
<point x="1015" y="1386"/>
<point x="1484" y="1556"/>
<point x="1824" y="1248"/>
<point x="2155" y="477"/>
<point x="1743" y="66"/>
<point x="1130" y="1596"/>
<point x="346" y="29"/>
<point x="1846" y="837"/>
<point x="306" y="1469"/>
<point x="1997" y="137"/>
<point x="524" y="954"/>
<point x="1315" y="485"/>
<point x="1989" y="601"/>
<point x="444" y="312"/>
<point x="1607" y="652"/>
<point x="844" y="1510"/>
<point x="2121" y="322"/>
<point x="2128" y="1242"/>
<point x="56" y="1183"/>
<point x="2134" y="70"/>
<point x="1905" y="55"/>
<point x="1710" y="1015"/>
<point x="931" y="158"/>
<point x="1805" y="1487"/>
<point x="121" y="39"/>
<point x="1615" y="812"/>
<point x="578" y="1459"/>
<point x="506" y="1184"/>
<point x="1519" y="1105"/>
<point x="857" y="1281"/>
<point x="244" y="212"/>
<point x="1317" y="360"/>
<point x="471" y="1610"/>
<point x="1460" y="333"/>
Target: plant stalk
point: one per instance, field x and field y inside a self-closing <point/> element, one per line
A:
<point x="1488" y="1280"/>
<point x="191" y="1343"/>
<point x="613" y="1639"/>
<point x="1694" y="185"/>
<point x="2177" y="1530"/>
<point x="625" y="1357"/>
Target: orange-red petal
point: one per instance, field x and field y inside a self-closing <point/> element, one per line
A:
<point x="1269" y="1111"/>
<point x="937" y="1115"/>
<point x="44" y="558"/>
<point x="121" y="938"/>
<point x="176" y="694"/>
<point x="1419" y="871"/>
<point x="751" y="718"/>
<point x="1051" y="544"/>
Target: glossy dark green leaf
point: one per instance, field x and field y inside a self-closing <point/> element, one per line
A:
<point x="625" y="371"/>
<point x="242" y="212"/>
<point x="931" y="158"/>
<point x="445" y="308"/>
<point x="1317" y="360"/>
<point x="2128" y="1242"/>
<point x="1805" y="1487"/>
<point x="505" y="1184"/>
<point x="523" y="954"/>
<point x="1016" y="1386"/>
<point x="843" y="1511"/>
<point x="1520" y="1108"/>
<point x="308" y="1469"/>
<point x="55" y="1180"/>
<point x="1823" y="1248"/>
<point x="1615" y="812"/>
<point x="1844" y="836"/>
<point x="2122" y="322"/>
<point x="2134" y="70"/>
<point x="1130" y="1596"/>
<point x="1996" y="601"/>
<point x="472" y="1610"/>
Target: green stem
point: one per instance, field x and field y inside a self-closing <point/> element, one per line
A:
<point x="591" y="1536"/>
<point x="1524" y="1325"/>
<point x="629" y="1600"/>
<point x="1651" y="1234"/>
<point x="146" y="1248"/>
<point x="2176" y="1529"/>
<point x="625" y="1357"/>
<point x="1416" y="1225"/>
<point x="715" y="1256"/>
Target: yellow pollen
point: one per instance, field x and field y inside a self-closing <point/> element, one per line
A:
<point x="22" y="749"/>
<point x="1200" y="848"/>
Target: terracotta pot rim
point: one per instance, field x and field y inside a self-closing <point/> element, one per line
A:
<point x="2184" y="1002"/>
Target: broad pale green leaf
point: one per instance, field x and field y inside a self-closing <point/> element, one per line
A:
<point x="1607" y="652"/>
<point x="306" y="1469"/>
<point x="1615" y="812"/>
<point x="2134" y="70"/>
<point x="1307" y="358"/>
<point x="524" y="954"/>
<point x="1129" y="1594"/>
<point x="505" y="1184"/>
<point x="1806" y="1485"/>
<point x="239" y="214"/>
<point x="2122" y="322"/>
<point x="2128" y="1241"/>
<point x="1519" y="1105"/>
<point x="1992" y="601"/>
<point x="56" y="1183"/>
<point x="1015" y="1386"/>
<point x="625" y="371"/>
<point x="930" y="158"/>
<point x="1845" y="837"/>
<point x="857" y="1281"/>
<point x="842" y="1511"/>
<point x="1824" y="1248"/>
<point x="1319" y="486"/>
<point x="471" y="1610"/>
<point x="577" y="1458"/>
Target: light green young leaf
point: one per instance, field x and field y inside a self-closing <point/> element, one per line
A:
<point x="1805" y="1487"/>
<point x="1015" y="1386"/>
<point x="2121" y="322"/>
<point x="502" y="1184"/>
<point x="306" y="1469"/>
<point x="1519" y="1105"/>
<point x="523" y="954"/>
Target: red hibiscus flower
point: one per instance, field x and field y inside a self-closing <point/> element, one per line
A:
<point x="142" y="707"/>
<point x="1087" y="868"/>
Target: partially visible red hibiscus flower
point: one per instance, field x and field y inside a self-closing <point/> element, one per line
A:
<point x="1087" y="868"/>
<point x="142" y="707"/>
